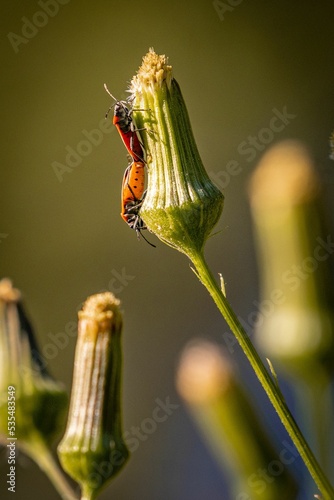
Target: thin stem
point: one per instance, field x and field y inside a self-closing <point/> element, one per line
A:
<point x="41" y="454"/>
<point x="261" y="372"/>
<point x="87" y="494"/>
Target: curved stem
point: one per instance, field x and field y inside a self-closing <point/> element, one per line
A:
<point x="207" y="279"/>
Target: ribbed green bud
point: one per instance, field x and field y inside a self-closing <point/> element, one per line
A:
<point x="38" y="403"/>
<point x="182" y="205"/>
<point x="92" y="449"/>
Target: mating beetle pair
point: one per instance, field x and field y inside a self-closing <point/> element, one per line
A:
<point x="133" y="185"/>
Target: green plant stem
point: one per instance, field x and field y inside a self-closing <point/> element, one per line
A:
<point x="41" y="454"/>
<point x="207" y="279"/>
<point x="87" y="494"/>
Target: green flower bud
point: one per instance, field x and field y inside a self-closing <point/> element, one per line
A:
<point x="32" y="404"/>
<point x="40" y="401"/>
<point x="182" y="205"/>
<point x="286" y="200"/>
<point x="92" y="449"/>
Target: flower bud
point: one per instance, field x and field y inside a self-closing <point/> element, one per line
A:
<point x="40" y="401"/>
<point x="182" y="205"/>
<point x="92" y="449"/>
<point x="296" y="325"/>
<point x="32" y="403"/>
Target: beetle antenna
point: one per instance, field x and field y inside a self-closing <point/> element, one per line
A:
<point x="108" y="91"/>
<point x="141" y="234"/>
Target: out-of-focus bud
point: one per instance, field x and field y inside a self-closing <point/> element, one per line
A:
<point x="92" y="449"/>
<point x="207" y="382"/>
<point x="40" y="401"/>
<point x="32" y="403"/>
<point x="295" y="327"/>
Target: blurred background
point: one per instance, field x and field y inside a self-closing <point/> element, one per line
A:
<point x="61" y="235"/>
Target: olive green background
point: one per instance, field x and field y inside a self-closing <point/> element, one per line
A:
<point x="62" y="241"/>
